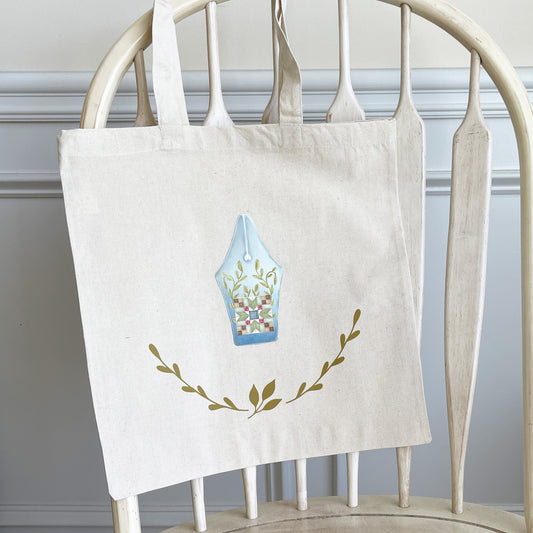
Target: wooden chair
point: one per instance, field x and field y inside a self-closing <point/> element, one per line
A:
<point x="470" y="193"/>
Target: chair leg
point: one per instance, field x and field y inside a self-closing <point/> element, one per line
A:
<point x="352" y="473"/>
<point x="126" y="518"/>
<point x="403" y="457"/>
<point x="300" y="466"/>
<point x="249" y="479"/>
<point x="198" y="504"/>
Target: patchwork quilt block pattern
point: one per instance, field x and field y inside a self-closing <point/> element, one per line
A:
<point x="253" y="315"/>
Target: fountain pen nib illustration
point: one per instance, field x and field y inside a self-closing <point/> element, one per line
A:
<point x="250" y="281"/>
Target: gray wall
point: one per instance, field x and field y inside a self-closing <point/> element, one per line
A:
<point x="51" y="470"/>
<point x="55" y="35"/>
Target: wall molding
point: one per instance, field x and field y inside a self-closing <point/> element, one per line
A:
<point x="99" y="516"/>
<point x="95" y="516"/>
<point x="56" y="98"/>
<point x="48" y="185"/>
<point x="438" y="93"/>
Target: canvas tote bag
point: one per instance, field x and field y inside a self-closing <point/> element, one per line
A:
<point x="244" y="291"/>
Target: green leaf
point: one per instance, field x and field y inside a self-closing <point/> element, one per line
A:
<point x="301" y="389"/>
<point x="187" y="389"/>
<point x="176" y="370"/>
<point x="354" y="335"/>
<point x="254" y="396"/>
<point x="201" y="391"/>
<point x="265" y="313"/>
<point x="242" y="316"/>
<point x="356" y="316"/>
<point x="256" y="288"/>
<point x="274" y="269"/>
<point x="325" y="368"/>
<point x="239" y="266"/>
<point x="237" y="287"/>
<point x="318" y="386"/>
<point x="257" y="264"/>
<point x="271" y="404"/>
<point x="338" y="361"/>
<point x="164" y="369"/>
<point x="230" y="403"/>
<point x="255" y="326"/>
<point x="271" y="288"/>
<point x="153" y="349"/>
<point x="343" y="340"/>
<point x="225" y="284"/>
<point x="261" y="272"/>
<point x="268" y="391"/>
<point x="215" y="406"/>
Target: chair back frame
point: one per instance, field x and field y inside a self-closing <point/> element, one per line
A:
<point x="138" y="37"/>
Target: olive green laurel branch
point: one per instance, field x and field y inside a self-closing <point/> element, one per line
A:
<point x="213" y="405"/>
<point x="257" y="402"/>
<point x="304" y="389"/>
<point x="268" y="391"/>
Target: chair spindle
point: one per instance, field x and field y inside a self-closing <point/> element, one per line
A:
<point x="465" y="274"/>
<point x="300" y="467"/>
<point x="345" y="107"/>
<point x="198" y="504"/>
<point x="144" y="117"/>
<point x="217" y="114"/>
<point x="411" y="171"/>
<point x="352" y="474"/>
<point x="126" y="518"/>
<point x="403" y="458"/>
<point x="249" y="479"/>
<point x="412" y="194"/>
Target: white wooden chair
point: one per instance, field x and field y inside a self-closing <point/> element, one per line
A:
<point x="464" y="290"/>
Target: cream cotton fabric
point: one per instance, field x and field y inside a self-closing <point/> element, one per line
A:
<point x="151" y="215"/>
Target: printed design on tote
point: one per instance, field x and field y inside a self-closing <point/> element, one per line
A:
<point x="249" y="280"/>
<point x="253" y="311"/>
<point x="253" y="315"/>
<point x="263" y="402"/>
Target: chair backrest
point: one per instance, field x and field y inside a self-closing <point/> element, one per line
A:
<point x="462" y="346"/>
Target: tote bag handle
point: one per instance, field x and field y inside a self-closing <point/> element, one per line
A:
<point x="289" y="79"/>
<point x="168" y="83"/>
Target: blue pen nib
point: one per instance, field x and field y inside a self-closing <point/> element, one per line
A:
<point x="250" y="280"/>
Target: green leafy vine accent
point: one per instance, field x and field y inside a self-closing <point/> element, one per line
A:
<point x="233" y="284"/>
<point x="213" y="405"/>
<point x="344" y="340"/>
<point x="267" y="280"/>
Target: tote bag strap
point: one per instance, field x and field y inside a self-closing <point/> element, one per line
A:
<point x="168" y="84"/>
<point x="166" y="69"/>
<point x="289" y="79"/>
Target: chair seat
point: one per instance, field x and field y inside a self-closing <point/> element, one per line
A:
<point x="375" y="514"/>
